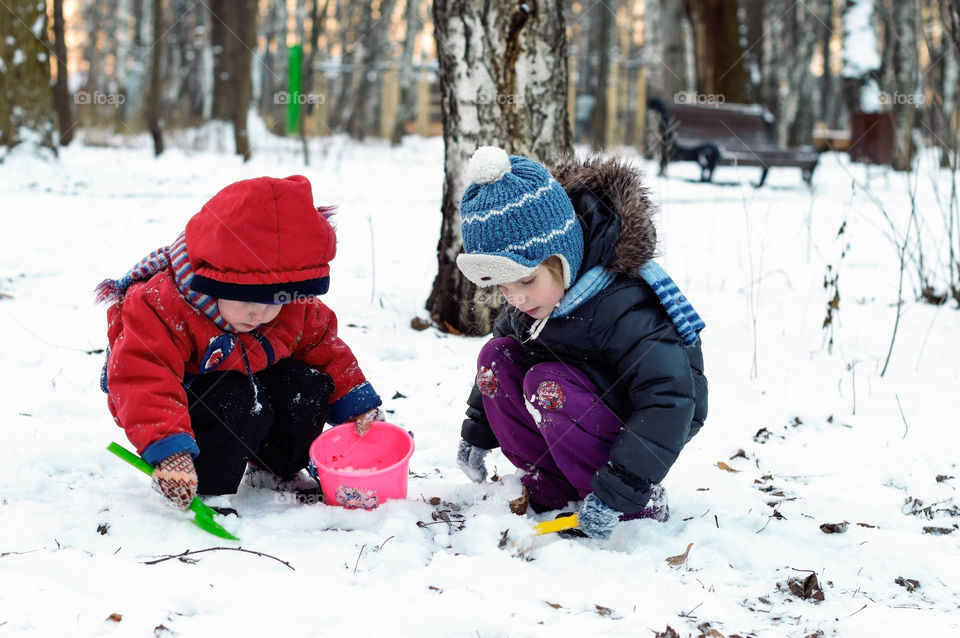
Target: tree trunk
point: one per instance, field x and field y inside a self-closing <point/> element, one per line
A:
<point x="407" y="106"/>
<point x="242" y="52"/>
<point x="366" y="50"/>
<point x="219" y="32"/>
<point x="155" y="92"/>
<point x="901" y="75"/>
<point x="317" y="16"/>
<point x="950" y="18"/>
<point x="720" y="66"/>
<point x="606" y="34"/>
<point x="61" y="94"/>
<point x="503" y="81"/>
<point x="26" y="101"/>
<point x="234" y="29"/>
<point x="347" y="21"/>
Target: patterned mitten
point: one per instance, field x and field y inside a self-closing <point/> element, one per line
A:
<point x="176" y="478"/>
<point x="361" y="424"/>
<point x="470" y="459"/>
<point x="597" y="519"/>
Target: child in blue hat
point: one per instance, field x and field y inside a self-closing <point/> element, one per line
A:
<point x="593" y="381"/>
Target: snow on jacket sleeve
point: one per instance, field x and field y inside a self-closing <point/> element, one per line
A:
<point x="322" y="349"/>
<point x="651" y="361"/>
<point x="144" y="376"/>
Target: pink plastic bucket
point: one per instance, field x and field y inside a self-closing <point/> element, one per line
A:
<point x="362" y="471"/>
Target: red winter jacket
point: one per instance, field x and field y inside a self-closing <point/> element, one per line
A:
<point x="159" y="336"/>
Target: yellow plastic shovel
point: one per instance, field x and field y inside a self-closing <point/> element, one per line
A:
<point x="556" y="525"/>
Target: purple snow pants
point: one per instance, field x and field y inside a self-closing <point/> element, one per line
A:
<point x="550" y="421"/>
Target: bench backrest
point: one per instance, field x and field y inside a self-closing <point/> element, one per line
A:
<point x="734" y="126"/>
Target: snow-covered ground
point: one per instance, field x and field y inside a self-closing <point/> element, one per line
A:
<point x="808" y="434"/>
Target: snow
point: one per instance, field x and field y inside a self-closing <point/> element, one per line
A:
<point x="825" y="438"/>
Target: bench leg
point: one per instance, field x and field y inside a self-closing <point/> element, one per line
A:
<point x="763" y="176"/>
<point x="808" y="176"/>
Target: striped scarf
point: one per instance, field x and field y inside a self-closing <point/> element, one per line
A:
<point x="175" y="257"/>
<point x="681" y="313"/>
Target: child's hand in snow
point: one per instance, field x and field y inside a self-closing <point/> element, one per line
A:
<point x="470" y="459"/>
<point x="361" y="424"/>
<point x="176" y="478"/>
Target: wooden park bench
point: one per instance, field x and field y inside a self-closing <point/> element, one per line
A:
<point x="725" y="135"/>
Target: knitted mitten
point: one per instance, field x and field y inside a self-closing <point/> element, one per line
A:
<point x="597" y="519"/>
<point x="176" y="478"/>
<point x="362" y="422"/>
<point x="470" y="459"/>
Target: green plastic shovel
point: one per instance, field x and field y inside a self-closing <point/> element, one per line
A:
<point x="203" y="514"/>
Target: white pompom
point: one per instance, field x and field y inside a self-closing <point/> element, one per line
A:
<point x="488" y="164"/>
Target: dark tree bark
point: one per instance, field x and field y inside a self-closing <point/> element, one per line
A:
<point x="606" y="34"/>
<point x="234" y="29"/>
<point x="503" y="81"/>
<point x="720" y="66"/>
<point x="155" y="91"/>
<point x="407" y="105"/>
<point x="61" y="94"/>
<point x="26" y="101"/>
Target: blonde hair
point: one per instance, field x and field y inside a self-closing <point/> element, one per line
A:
<point x="555" y="266"/>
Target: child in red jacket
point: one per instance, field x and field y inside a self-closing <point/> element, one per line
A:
<point x="222" y="360"/>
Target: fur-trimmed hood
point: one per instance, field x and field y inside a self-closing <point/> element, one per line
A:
<point x="615" y="211"/>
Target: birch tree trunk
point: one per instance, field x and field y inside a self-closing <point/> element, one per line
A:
<point x="503" y="81"/>
<point x="26" y="102"/>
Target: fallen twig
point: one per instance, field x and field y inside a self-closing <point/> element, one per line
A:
<point x="191" y="552"/>
<point x="356" y="564"/>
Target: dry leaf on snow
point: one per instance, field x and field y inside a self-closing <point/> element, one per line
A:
<point x="680" y="559"/>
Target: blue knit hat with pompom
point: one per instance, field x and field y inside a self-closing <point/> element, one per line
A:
<point x="513" y="216"/>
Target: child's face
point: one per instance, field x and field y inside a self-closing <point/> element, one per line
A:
<point x="536" y="295"/>
<point x="245" y="316"/>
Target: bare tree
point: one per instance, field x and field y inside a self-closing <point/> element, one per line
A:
<point x="503" y="81"/>
<point x="408" y="80"/>
<point x="155" y="90"/>
<point x="61" y="94"/>
<point x="26" y="102"/>
<point x="720" y="63"/>
<point x="900" y="74"/>
<point x="234" y="29"/>
<point x="606" y="41"/>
